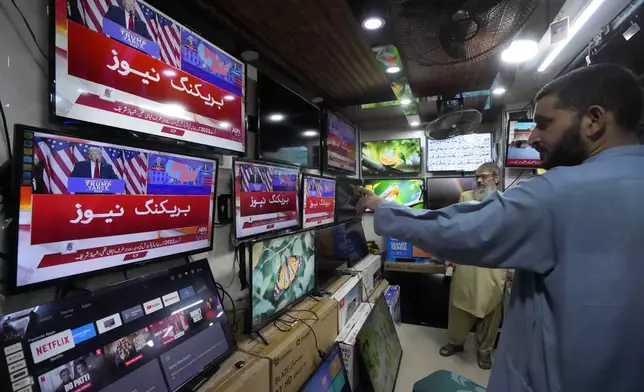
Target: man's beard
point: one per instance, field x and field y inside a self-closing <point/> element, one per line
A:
<point x="482" y="191"/>
<point x="570" y="151"/>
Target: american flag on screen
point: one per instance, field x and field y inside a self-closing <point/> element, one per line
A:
<point x="164" y="31"/>
<point x="60" y="157"/>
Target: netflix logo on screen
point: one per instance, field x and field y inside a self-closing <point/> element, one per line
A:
<point x="51" y="346"/>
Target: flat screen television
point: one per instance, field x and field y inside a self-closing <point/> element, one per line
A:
<point x="165" y="332"/>
<point x="520" y="153"/>
<point x="289" y="126"/>
<point x="391" y="157"/>
<point x="460" y="153"/>
<point x="282" y="273"/>
<point x="347" y="196"/>
<point x="266" y="198"/>
<point x="409" y="192"/>
<point x="337" y="246"/>
<point x="330" y="375"/>
<point x="146" y="73"/>
<point x="443" y="192"/>
<point x="318" y="201"/>
<point x="379" y="348"/>
<point x="341" y="144"/>
<point x="84" y="206"/>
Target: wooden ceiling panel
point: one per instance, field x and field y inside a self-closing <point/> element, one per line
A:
<point x="319" y="38"/>
<point x="429" y="81"/>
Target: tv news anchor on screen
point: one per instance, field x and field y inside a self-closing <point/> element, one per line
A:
<point x="94" y="167"/>
<point x="126" y="16"/>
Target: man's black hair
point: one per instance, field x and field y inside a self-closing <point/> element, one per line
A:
<point x="610" y="86"/>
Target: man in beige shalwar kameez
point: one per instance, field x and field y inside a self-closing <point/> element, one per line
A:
<point x="476" y="294"/>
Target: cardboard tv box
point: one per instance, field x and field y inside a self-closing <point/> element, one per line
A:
<point x="336" y="284"/>
<point x="349" y="296"/>
<point x="369" y="271"/>
<point x="292" y="354"/>
<point x="254" y="376"/>
<point x="347" y="340"/>
<point x="378" y="291"/>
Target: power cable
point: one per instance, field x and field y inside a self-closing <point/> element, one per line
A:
<point x="515" y="180"/>
<point x="31" y="32"/>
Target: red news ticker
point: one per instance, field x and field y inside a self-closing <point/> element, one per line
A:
<point x="120" y="249"/>
<point x="56" y="218"/>
<point x="108" y="57"/>
<point x="261" y="203"/>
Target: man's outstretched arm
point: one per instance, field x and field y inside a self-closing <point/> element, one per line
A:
<point x="506" y="230"/>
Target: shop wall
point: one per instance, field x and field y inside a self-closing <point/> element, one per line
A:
<point x="24" y="94"/>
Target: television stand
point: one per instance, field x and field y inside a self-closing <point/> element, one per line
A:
<point x="262" y="337"/>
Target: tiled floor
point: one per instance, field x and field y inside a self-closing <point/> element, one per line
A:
<point x="421" y="358"/>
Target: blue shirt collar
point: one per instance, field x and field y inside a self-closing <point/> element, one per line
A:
<point x="636" y="149"/>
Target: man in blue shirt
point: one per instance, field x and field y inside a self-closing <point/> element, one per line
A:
<point x="575" y="236"/>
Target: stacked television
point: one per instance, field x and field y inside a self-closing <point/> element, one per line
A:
<point x="133" y="180"/>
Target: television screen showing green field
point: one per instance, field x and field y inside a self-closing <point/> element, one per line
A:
<point x="390" y="157"/>
<point x="409" y="192"/>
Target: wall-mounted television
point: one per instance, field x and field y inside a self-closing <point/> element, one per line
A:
<point x="443" y="192"/>
<point x="146" y="73"/>
<point x="519" y="152"/>
<point x="289" y="126"/>
<point x="347" y="196"/>
<point x="460" y="153"/>
<point x="391" y="157"/>
<point x="85" y="206"/>
<point x="409" y="192"/>
<point x="282" y="273"/>
<point x="341" y="142"/>
<point x="266" y="198"/>
<point x="318" y="202"/>
<point x="162" y="332"/>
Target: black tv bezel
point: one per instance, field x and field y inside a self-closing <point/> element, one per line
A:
<point x="423" y="179"/>
<point x="428" y="179"/>
<point x="334" y="346"/>
<point x="90" y="127"/>
<point x="249" y="327"/>
<point x="396" y="174"/>
<point x="325" y="140"/>
<point x="259" y="128"/>
<point x="507" y="146"/>
<point x="14" y="208"/>
<point x="455" y="170"/>
<point x="356" y="181"/>
<point x="303" y="194"/>
<point x="205" y="372"/>
<point x="234" y="194"/>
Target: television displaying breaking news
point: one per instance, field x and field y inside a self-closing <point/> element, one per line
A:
<point x="147" y="73"/>
<point x="266" y="198"/>
<point x="87" y="206"/>
<point x="319" y="201"/>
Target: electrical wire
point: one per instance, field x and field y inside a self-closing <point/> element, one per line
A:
<point x="234" y="324"/>
<point x="31" y="32"/>
<point x="315" y="337"/>
<point x="515" y="180"/>
<point x="6" y="131"/>
<point x="235" y="262"/>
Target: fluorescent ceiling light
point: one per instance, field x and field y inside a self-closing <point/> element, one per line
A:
<point x="309" y="133"/>
<point x="414" y="123"/>
<point x="229" y="97"/>
<point x="169" y="72"/>
<point x="393" y="70"/>
<point x="276" y="117"/>
<point x="373" y="23"/>
<point x="498" y="91"/>
<point x="520" y="51"/>
<point x="405" y="101"/>
<point x="581" y="20"/>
